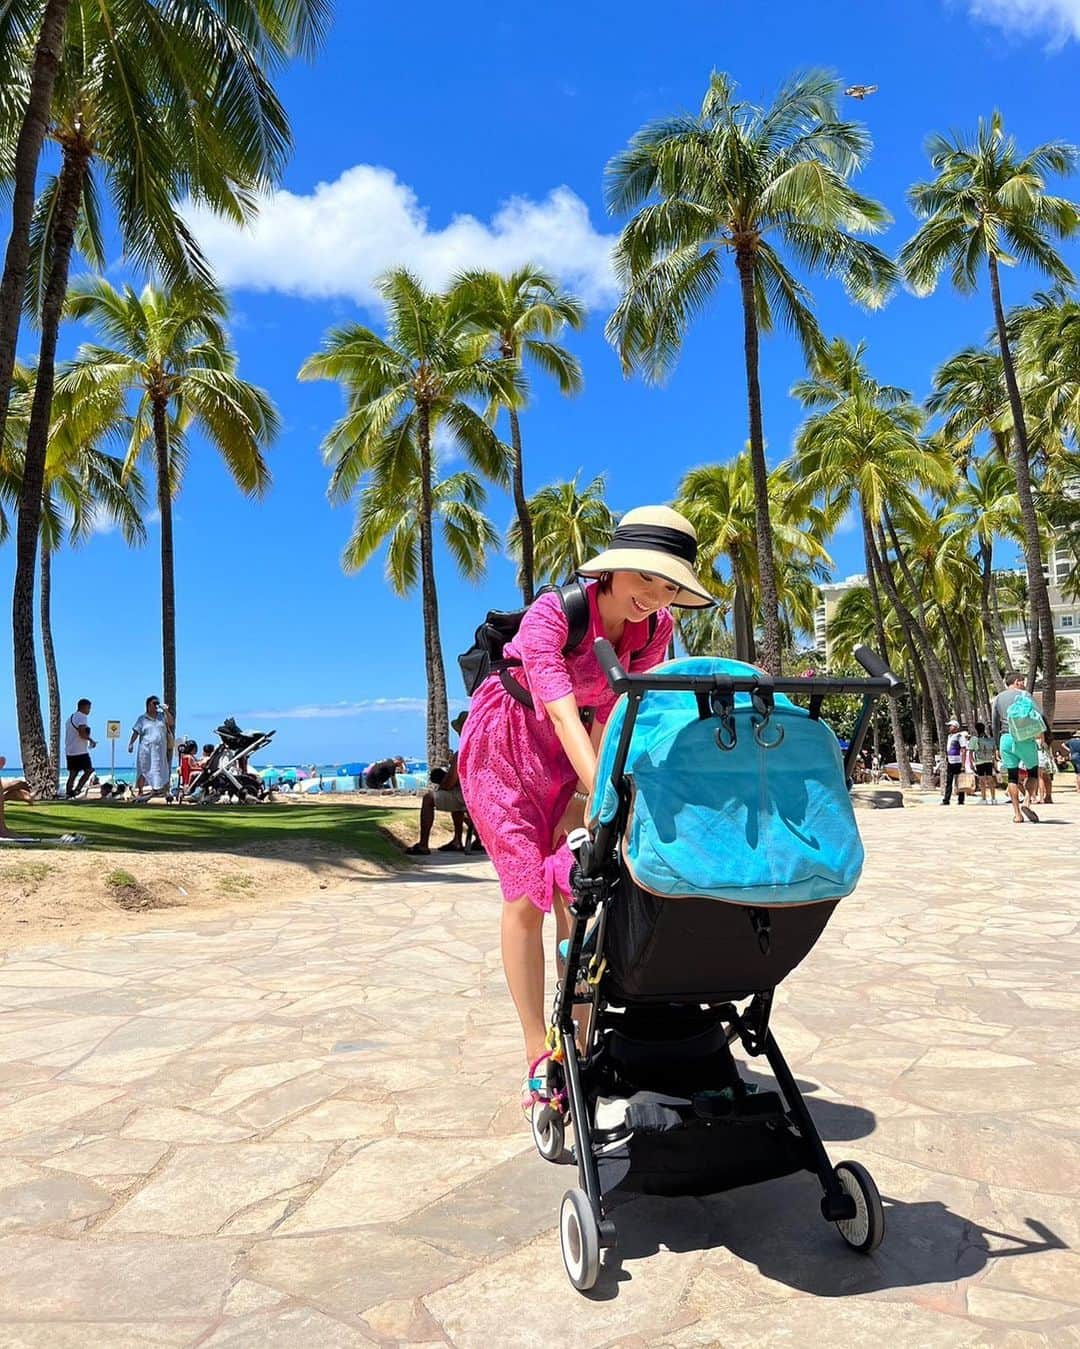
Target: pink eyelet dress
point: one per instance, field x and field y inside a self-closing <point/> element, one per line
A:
<point x="515" y="775"/>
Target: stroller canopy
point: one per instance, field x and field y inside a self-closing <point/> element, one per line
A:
<point x="761" y="823"/>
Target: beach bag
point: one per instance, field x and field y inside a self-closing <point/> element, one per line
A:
<point x="1024" y="719"/>
<point x="744" y="824"/>
<point x="965" y="782"/>
<point x="500" y="627"/>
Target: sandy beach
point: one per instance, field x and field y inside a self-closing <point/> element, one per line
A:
<point x="69" y="892"/>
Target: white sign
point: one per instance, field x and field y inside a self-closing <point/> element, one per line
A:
<point x="112" y="730"/>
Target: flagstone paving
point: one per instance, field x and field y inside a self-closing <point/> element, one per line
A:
<point x="297" y="1126"/>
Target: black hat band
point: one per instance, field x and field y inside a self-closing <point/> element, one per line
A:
<point x="658" y="538"/>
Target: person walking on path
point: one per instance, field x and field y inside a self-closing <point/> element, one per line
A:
<point x="1015" y="753"/>
<point x="77" y="747"/>
<point x="1072" y="748"/>
<point x="529" y="748"/>
<point x="444" y="795"/>
<point x="955" y="757"/>
<point x="981" y="749"/>
<point x="151" y="733"/>
<point x="1046" y="770"/>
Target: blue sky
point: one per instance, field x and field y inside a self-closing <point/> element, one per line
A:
<point x="447" y="136"/>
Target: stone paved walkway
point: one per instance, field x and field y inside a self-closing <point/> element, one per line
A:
<point x="297" y="1127"/>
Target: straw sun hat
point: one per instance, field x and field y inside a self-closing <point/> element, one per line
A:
<point x="661" y="542"/>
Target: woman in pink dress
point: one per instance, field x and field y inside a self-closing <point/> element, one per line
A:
<point x="529" y="748"/>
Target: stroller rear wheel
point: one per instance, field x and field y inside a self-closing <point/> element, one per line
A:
<point x="579" y="1236"/>
<point x="548" y="1131"/>
<point x="865" y="1231"/>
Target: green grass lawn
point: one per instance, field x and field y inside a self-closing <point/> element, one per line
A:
<point x="354" y="829"/>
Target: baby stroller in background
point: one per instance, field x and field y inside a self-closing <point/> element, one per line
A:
<point x="708" y="876"/>
<point x="226" y="775"/>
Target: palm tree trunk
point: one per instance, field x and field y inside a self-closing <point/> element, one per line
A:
<point x="986" y="584"/>
<point x="964" y="706"/>
<point x="744" y="629"/>
<point x="438" y="716"/>
<point x="51" y="678"/>
<point x="27" y="695"/>
<point x="1037" y="588"/>
<point x="903" y="762"/>
<point x="27" y="154"/>
<point x="924" y="655"/>
<point x="163" y="468"/>
<point x="521" y="506"/>
<point x="770" y="605"/>
<point x="999" y="627"/>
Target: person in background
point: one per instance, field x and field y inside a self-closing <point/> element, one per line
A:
<point x="1015" y="754"/>
<point x="981" y="749"/>
<point x="378" y="775"/>
<point x="1070" y="749"/>
<point x="77" y="747"/>
<point x="1046" y="769"/>
<point x="445" y="794"/>
<point x="955" y="754"/>
<point x="151" y="733"/>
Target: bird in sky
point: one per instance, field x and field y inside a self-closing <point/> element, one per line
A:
<point x="860" y="91"/>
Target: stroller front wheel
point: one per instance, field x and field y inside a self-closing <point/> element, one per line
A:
<point x="548" y="1131"/>
<point x="579" y="1236"/>
<point x="865" y="1231"/>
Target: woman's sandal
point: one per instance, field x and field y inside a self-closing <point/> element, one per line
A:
<point x="534" y="1085"/>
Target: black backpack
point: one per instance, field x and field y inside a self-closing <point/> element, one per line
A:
<point x="485" y="656"/>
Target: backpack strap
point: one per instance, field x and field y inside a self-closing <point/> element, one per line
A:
<point x="575" y="605"/>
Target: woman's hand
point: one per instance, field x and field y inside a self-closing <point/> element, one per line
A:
<point x="573" y="818"/>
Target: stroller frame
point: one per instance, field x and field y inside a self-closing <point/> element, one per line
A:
<point x="585" y="1227"/>
<point x="221" y="774"/>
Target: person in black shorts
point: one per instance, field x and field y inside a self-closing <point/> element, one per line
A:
<point x="981" y="749"/>
<point x="385" y="772"/>
<point x="77" y="747"/>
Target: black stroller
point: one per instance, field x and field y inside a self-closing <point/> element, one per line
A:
<point x="662" y="979"/>
<point x="226" y="775"/>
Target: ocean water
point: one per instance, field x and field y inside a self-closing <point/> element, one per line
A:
<point x="329" y="777"/>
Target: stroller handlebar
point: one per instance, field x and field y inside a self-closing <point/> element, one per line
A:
<point x="882" y="678"/>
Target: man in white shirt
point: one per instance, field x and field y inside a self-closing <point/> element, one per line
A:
<point x="77" y="747"/>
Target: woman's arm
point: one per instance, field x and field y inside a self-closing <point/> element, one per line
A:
<point x="574" y="738"/>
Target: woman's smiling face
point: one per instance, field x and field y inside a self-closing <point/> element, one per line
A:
<point x="637" y="594"/>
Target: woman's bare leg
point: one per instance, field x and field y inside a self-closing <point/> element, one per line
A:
<point x="523" y="964"/>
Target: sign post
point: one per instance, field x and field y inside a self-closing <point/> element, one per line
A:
<point x="112" y="735"/>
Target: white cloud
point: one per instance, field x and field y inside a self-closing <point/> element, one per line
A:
<point x="333" y="242"/>
<point x="1058" y="19"/>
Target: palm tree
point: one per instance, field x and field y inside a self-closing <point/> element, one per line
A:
<point x="34" y="80"/>
<point x="970" y="395"/>
<point x="83" y="485"/>
<point x="988" y="204"/>
<point x="719" y="501"/>
<point x="570" y="526"/>
<point x="988" y="508"/>
<point x="399" y="389"/>
<point x="522" y="312"/>
<point x="159" y="103"/>
<point x="753" y="183"/>
<point x="169" y="348"/>
<point x="863" y="451"/>
<point x="388" y="513"/>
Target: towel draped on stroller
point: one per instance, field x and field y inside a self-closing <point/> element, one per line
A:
<point x="721" y="837"/>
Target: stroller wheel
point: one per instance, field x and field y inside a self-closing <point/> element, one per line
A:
<point x="579" y="1236"/>
<point x="548" y="1131"/>
<point x="865" y="1231"/>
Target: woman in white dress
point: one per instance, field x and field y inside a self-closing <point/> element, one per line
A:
<point x="151" y="732"/>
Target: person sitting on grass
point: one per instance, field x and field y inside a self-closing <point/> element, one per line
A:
<point x="12" y="791"/>
<point x="444" y="794"/>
